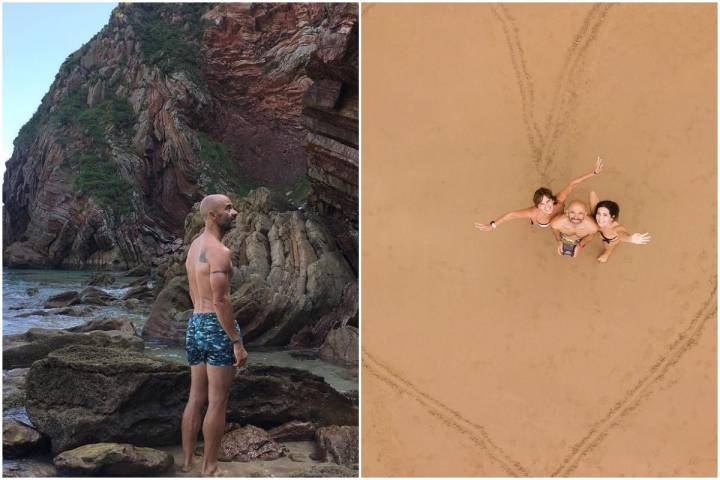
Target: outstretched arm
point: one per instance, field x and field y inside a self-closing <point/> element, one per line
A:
<point x="525" y="213"/>
<point x="577" y="181"/>
<point x="636" y="238"/>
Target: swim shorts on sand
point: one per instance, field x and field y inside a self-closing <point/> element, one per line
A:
<point x="207" y="342"/>
<point x="568" y="244"/>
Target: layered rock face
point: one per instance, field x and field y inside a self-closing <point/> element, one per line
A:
<point x="290" y="276"/>
<point x="330" y="114"/>
<point x="167" y="103"/>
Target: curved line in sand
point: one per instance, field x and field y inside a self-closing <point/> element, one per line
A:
<point x="641" y="390"/>
<point x="442" y="412"/>
<point x="566" y="90"/>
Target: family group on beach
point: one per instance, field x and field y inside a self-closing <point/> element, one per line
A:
<point x="572" y="227"/>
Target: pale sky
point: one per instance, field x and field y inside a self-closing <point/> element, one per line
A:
<point x="36" y="40"/>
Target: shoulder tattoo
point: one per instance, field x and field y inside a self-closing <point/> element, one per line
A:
<point x="203" y="256"/>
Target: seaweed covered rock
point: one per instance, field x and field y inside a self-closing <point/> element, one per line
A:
<point x="22" y="350"/>
<point x="85" y="394"/>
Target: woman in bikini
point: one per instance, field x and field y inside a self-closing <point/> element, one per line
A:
<point x="611" y="232"/>
<point x="547" y="206"/>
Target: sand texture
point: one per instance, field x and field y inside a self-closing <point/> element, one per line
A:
<point x="485" y="353"/>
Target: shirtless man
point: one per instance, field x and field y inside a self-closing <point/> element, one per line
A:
<point x="574" y="229"/>
<point x="213" y="337"/>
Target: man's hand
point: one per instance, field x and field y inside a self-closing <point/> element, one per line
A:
<point x="240" y="355"/>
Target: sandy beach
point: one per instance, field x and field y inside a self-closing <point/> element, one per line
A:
<point x="485" y="353"/>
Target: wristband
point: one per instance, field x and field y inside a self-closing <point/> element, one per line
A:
<point x="493" y="224"/>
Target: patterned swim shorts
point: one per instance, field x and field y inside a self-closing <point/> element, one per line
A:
<point x="207" y="342"/>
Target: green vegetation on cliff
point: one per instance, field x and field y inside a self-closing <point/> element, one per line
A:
<point x="111" y="113"/>
<point x="170" y="37"/>
<point x="97" y="176"/>
<point x="92" y="170"/>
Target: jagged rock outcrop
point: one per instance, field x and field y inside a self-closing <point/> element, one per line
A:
<point x="167" y="103"/>
<point x="288" y="274"/>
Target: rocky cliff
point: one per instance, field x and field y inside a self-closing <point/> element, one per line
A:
<point x="170" y="102"/>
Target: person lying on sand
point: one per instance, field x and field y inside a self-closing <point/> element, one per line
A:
<point x="606" y="214"/>
<point x="573" y="230"/>
<point x="547" y="206"/>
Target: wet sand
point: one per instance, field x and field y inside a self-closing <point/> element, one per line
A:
<point x="485" y="353"/>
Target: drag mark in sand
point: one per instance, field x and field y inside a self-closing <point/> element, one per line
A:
<point x="543" y="145"/>
<point x="685" y="340"/>
<point x="567" y="89"/>
<point x="445" y="414"/>
<point x="525" y="84"/>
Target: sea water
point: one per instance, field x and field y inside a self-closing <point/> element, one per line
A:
<point x="18" y="303"/>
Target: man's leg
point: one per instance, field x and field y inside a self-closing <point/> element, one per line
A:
<point x="192" y="419"/>
<point x="219" y="381"/>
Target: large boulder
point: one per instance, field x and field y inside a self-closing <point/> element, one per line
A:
<point x="86" y="394"/>
<point x="248" y="443"/>
<point x="64" y="299"/>
<point x="95" y="296"/>
<point x="101" y="280"/>
<point x="288" y="273"/>
<point x="20" y="439"/>
<point x="271" y="396"/>
<point x="338" y="444"/>
<point x="23" y="349"/>
<point x="120" y="324"/>
<point x="166" y="316"/>
<point x="341" y="346"/>
<point x="113" y="460"/>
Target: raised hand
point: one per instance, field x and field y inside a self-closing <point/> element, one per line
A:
<point x="485" y="227"/>
<point x="598" y="166"/>
<point x="640" y="238"/>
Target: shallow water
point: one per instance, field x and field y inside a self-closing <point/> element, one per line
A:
<point x="16" y="301"/>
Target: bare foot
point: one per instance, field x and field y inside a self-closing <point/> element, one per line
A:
<point x="603" y="258"/>
<point x="215" y="472"/>
<point x="187" y="467"/>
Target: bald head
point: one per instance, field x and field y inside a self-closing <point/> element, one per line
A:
<point x="577" y="205"/>
<point x="576" y="212"/>
<point x="212" y="203"/>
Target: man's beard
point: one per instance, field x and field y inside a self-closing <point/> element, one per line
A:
<point x="226" y="224"/>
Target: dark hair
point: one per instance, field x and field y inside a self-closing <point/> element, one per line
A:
<point x="612" y="207"/>
<point x="543" y="192"/>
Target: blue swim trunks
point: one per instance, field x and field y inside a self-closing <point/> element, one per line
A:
<point x="207" y="342"/>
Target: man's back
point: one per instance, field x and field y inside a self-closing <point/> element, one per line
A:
<point x="197" y="265"/>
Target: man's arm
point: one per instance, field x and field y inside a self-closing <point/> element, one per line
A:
<point x="220" y="269"/>
<point x="191" y="283"/>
